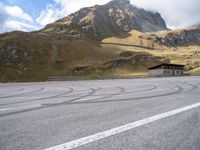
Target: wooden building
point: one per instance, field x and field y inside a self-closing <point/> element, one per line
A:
<point x="166" y="70"/>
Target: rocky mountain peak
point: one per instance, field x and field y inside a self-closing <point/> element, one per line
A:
<point x="115" y="17"/>
<point x="197" y="26"/>
<point x="120" y="2"/>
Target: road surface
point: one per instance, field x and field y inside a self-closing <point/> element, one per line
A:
<point x="140" y="114"/>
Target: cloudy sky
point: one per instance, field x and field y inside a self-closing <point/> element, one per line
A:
<point x="29" y="15"/>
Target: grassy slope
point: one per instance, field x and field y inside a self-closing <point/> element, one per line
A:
<point x="39" y="56"/>
<point x="187" y="55"/>
<point x="30" y="56"/>
<point x="195" y="71"/>
<point x="34" y="57"/>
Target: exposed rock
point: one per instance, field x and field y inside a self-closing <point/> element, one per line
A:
<point x="176" y="38"/>
<point x="129" y="62"/>
<point x="60" y="48"/>
<point x="197" y="26"/>
<point x="115" y="17"/>
<point x="127" y="54"/>
<point x="192" y="65"/>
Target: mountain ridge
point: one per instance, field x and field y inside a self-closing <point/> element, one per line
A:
<point x="115" y="17"/>
<point x="121" y="45"/>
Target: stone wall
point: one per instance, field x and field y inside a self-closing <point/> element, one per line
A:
<point x="165" y="72"/>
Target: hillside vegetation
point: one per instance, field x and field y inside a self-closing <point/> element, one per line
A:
<point x="115" y="39"/>
<point x="34" y="57"/>
<point x="186" y="54"/>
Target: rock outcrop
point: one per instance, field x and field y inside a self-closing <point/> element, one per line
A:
<point x="129" y="62"/>
<point x="70" y="47"/>
<point x="176" y="38"/>
<point x="197" y="26"/>
<point x="115" y="17"/>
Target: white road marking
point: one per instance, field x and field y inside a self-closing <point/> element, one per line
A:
<point x="89" y="98"/>
<point x="6" y="109"/>
<point x="22" y="107"/>
<point x="145" y="92"/>
<point x="111" y="132"/>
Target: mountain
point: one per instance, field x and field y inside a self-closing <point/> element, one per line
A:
<point x="35" y="56"/>
<point x="195" y="26"/>
<point x="176" y="37"/>
<point x="113" y="18"/>
<point x="198" y="26"/>
<point x="111" y="39"/>
<point x="179" y="46"/>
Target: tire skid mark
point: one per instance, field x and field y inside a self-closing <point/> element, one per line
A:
<point x="19" y="90"/>
<point x="141" y="91"/>
<point x="67" y="96"/>
<point x="38" y="99"/>
<point x="122" y="90"/>
<point x="22" y="111"/>
<point x="72" y="102"/>
<point x="23" y="93"/>
<point x="84" y="96"/>
<point x="74" y="99"/>
<point x="180" y="89"/>
<point x="47" y="105"/>
<point x="194" y="87"/>
<point x="124" y="93"/>
<point x="70" y="91"/>
<point x="74" y="95"/>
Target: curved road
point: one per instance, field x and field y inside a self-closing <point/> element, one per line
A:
<point x="142" y="114"/>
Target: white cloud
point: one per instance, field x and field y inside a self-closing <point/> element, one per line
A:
<point x="50" y="14"/>
<point x="16" y="11"/>
<point x="19" y="26"/>
<point x="74" y="5"/>
<point x="177" y="13"/>
<point x="14" y="18"/>
<point x="62" y="8"/>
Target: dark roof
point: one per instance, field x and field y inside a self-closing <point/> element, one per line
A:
<point x="164" y="64"/>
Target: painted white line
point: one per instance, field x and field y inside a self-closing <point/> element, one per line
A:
<point x="145" y="92"/>
<point x="15" y="108"/>
<point x="111" y="132"/>
<point x="6" y="109"/>
<point x="89" y="98"/>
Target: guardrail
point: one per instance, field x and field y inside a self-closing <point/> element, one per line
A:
<point x="77" y="78"/>
<point x="109" y="43"/>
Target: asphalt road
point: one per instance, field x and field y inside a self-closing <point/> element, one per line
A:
<point x="130" y="114"/>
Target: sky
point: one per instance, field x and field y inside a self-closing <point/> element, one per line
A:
<point x="29" y="15"/>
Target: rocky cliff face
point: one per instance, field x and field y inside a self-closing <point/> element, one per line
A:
<point x="196" y="26"/>
<point x="176" y="38"/>
<point x="115" y="17"/>
<point x="33" y="56"/>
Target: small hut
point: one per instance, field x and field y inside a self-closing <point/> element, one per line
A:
<point x="166" y="70"/>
